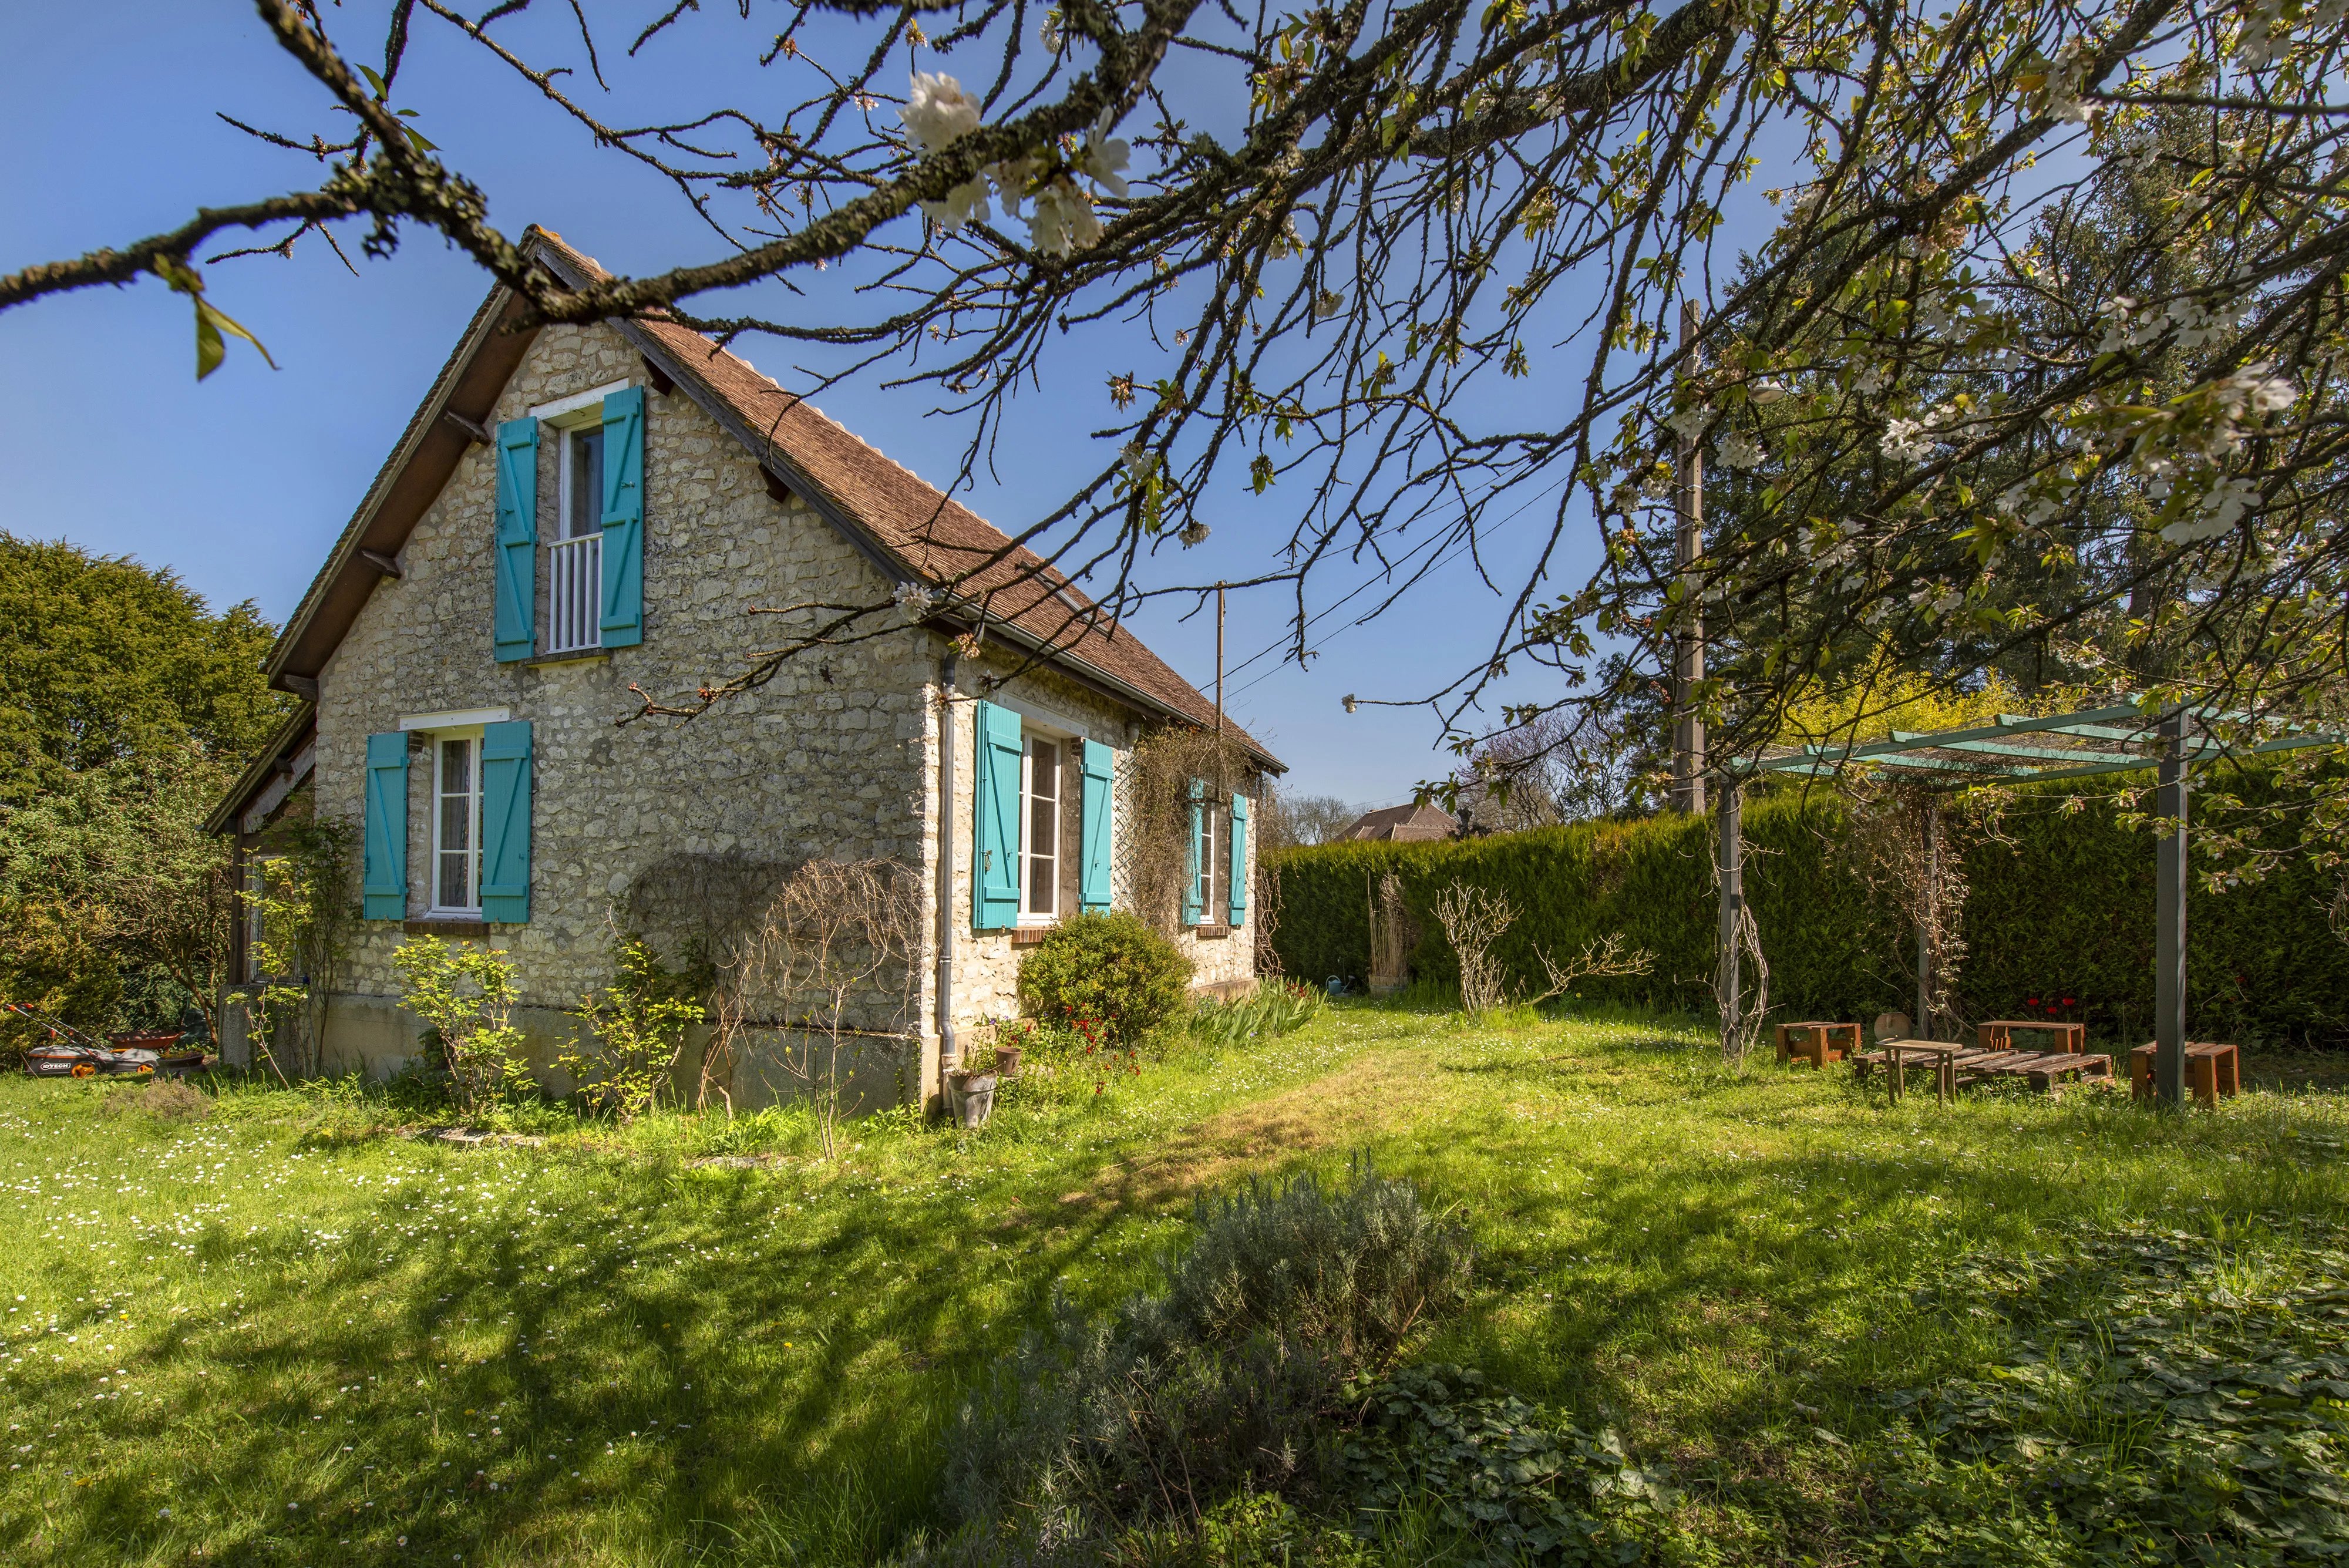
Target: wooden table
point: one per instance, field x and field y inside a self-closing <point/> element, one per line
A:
<point x="1817" y="1043"/>
<point x="1998" y="1035"/>
<point x="1955" y="1065"/>
<point x="2211" y="1069"/>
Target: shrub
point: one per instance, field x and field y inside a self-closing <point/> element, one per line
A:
<point x="465" y="994"/>
<point x="1276" y="1007"/>
<point x="623" y="1052"/>
<point x="1109" y="969"/>
<point x="1233" y="1376"/>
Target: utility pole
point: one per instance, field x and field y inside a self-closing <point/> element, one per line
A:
<point x="1688" y="640"/>
<point x="2169" y="886"/>
<point x="1223" y="785"/>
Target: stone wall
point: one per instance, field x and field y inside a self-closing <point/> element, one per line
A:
<point x="827" y="760"/>
<point x="835" y="757"/>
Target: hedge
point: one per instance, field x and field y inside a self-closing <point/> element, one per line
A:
<point x="2062" y="907"/>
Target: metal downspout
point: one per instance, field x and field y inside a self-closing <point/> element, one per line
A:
<point x="949" y="1054"/>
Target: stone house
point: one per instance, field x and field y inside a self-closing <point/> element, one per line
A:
<point x="576" y="516"/>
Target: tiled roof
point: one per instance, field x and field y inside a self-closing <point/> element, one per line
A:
<point x="933" y="537"/>
<point x="1406" y="823"/>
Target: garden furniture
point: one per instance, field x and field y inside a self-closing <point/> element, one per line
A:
<point x="1998" y="1035"/>
<point x="2211" y="1069"/>
<point x="1817" y="1043"/>
<point x="1957" y="1065"/>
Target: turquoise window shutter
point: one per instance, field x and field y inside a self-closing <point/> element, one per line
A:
<point x="384" y="884"/>
<point x="1092" y="872"/>
<point x="506" y="822"/>
<point x="515" y="616"/>
<point x="624" y="518"/>
<point x="1196" y="865"/>
<point x="995" y="837"/>
<point x="1239" y="859"/>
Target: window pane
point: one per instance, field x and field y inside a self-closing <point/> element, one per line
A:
<point x="456" y="882"/>
<point x="586" y="481"/>
<point x="1043" y="826"/>
<point x="456" y="767"/>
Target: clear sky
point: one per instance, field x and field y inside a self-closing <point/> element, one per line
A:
<point x="242" y="483"/>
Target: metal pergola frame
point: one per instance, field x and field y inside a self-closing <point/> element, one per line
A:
<point x="2018" y="749"/>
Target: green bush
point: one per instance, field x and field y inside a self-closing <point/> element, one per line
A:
<point x="2061" y="907"/>
<point x="1109" y="971"/>
<point x="1231" y="1378"/>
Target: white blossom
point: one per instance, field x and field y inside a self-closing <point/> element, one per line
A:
<point x="1049" y="33"/>
<point x="1139" y="461"/>
<point x="916" y="600"/>
<point x="1105" y="158"/>
<point x="1327" y="304"/>
<point x="2225" y="502"/>
<point x="964" y="203"/>
<point x="1063" y="220"/>
<point x="1690" y="422"/>
<point x="1872" y="380"/>
<point x="938" y="111"/>
<point x="1738" y="450"/>
<point x="1195" y="533"/>
<point x="1908" y="441"/>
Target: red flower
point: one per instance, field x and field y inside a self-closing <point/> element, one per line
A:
<point x="2030" y="1001"/>
<point x="2071" y="1001"/>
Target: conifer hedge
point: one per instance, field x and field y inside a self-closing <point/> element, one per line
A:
<point x="2061" y="907"/>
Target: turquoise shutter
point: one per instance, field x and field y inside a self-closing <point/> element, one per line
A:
<point x="506" y="822"/>
<point x="624" y="518"/>
<point x="516" y="613"/>
<point x="1196" y="865"/>
<point x="384" y="885"/>
<point x="995" y="837"/>
<point x="1092" y="872"/>
<point x="1239" y="859"/>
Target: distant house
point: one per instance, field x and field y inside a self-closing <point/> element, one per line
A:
<point x="578" y="513"/>
<point x="1403" y="823"/>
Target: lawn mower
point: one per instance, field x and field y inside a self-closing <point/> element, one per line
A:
<point x="69" y="1053"/>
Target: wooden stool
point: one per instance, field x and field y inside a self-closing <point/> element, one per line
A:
<point x="2212" y="1069"/>
<point x="1998" y="1035"/>
<point x="1817" y="1043"/>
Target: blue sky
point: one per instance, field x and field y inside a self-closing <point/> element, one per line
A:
<point x="242" y="483"/>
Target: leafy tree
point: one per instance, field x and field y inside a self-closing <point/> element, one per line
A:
<point x="108" y="661"/>
<point x="129" y="706"/>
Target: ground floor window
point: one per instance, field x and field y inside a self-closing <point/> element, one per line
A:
<point x="457" y="824"/>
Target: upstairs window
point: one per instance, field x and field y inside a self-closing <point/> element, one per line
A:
<point x="574" y="557"/>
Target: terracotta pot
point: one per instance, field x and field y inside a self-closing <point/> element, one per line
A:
<point x="1007" y="1061"/>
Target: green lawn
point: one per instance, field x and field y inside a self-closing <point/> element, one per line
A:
<point x="285" y="1334"/>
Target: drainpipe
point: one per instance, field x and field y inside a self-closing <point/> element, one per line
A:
<point x="949" y="1054"/>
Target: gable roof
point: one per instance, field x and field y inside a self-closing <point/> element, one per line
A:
<point x="1407" y="822"/>
<point x="911" y="531"/>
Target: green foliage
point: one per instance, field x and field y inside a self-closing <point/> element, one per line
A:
<point x="623" y="1056"/>
<point x="2061" y="905"/>
<point x="1276" y="1007"/>
<point x="2162" y="1397"/>
<point x="106" y="660"/>
<point x="466" y="994"/>
<point x="1231" y="1378"/>
<point x="1530" y="1492"/>
<point x="1107" y="970"/>
<point x="303" y="913"/>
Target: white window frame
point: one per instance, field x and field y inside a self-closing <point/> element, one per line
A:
<point x="1029" y="735"/>
<point x="256" y="930"/>
<point x="567" y="419"/>
<point x="473" y="837"/>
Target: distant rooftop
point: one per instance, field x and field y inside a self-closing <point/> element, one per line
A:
<point x="1407" y="822"/>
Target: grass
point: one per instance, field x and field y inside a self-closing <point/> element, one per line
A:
<point x="282" y="1334"/>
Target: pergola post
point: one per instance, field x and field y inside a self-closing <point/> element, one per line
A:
<point x="2169" y="920"/>
<point x="1927" y="911"/>
<point x="1730" y="861"/>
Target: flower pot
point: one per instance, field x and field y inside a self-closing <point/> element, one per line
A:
<point x="973" y="1096"/>
<point x="1007" y="1061"/>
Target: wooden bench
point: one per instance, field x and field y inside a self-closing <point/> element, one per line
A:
<point x="2212" y="1069"/>
<point x="1998" y="1034"/>
<point x="1957" y="1065"/>
<point x="1817" y="1043"/>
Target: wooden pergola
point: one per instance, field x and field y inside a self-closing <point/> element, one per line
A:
<point x="2019" y="749"/>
